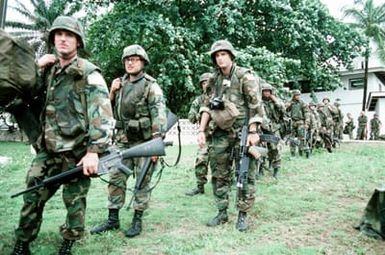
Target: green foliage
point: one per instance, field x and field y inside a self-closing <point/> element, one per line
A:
<point x="36" y="23"/>
<point x="281" y="40"/>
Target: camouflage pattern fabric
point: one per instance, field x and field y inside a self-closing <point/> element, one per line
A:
<point x="201" y="164"/>
<point x="362" y="127"/>
<point x="326" y="131"/>
<point x="140" y="109"/>
<point x="375" y="125"/>
<point x="65" y="126"/>
<point x="64" y="141"/>
<point x="274" y="113"/>
<point x="117" y="190"/>
<point x="372" y="222"/>
<point x="298" y="112"/>
<point x="338" y="123"/>
<point x="349" y="127"/>
<point x="244" y="85"/>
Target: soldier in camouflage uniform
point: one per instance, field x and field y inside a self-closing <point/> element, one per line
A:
<point x="140" y="113"/>
<point x="236" y="101"/>
<point x="202" y="159"/>
<point x="349" y="126"/>
<point x="375" y="126"/>
<point x="77" y="127"/>
<point x="275" y="110"/>
<point x="338" y="119"/>
<point x="300" y="121"/>
<point x="314" y="124"/>
<point x="326" y="131"/>
<point x="362" y="127"/>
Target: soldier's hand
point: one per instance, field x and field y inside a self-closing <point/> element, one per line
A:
<point x="201" y="139"/>
<point x="273" y="98"/>
<point x="46" y="60"/>
<point x="90" y="163"/>
<point x="252" y="139"/>
<point x="116" y="84"/>
<point x="154" y="159"/>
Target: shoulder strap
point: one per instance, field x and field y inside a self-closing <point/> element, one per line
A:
<point x="80" y="84"/>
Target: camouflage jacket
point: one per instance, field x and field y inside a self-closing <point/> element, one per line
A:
<point x="274" y="113"/>
<point x="298" y="111"/>
<point x="375" y="124"/>
<point x="64" y="122"/>
<point x="243" y="90"/>
<point x="139" y="110"/>
<point x="349" y="124"/>
<point x="325" y="118"/>
<point x="362" y="121"/>
<point x="314" y="120"/>
<point x="193" y="114"/>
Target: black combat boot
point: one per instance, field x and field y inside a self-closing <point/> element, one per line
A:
<point x="66" y="247"/>
<point x="136" y="225"/>
<point x="275" y="173"/>
<point x="21" y="248"/>
<point x="221" y="218"/>
<point x="111" y="223"/>
<point x="242" y="222"/>
<point x="198" y="190"/>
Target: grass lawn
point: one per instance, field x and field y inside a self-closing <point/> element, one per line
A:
<point x="310" y="210"/>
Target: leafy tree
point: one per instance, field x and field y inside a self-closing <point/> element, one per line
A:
<point x="283" y="41"/>
<point x="37" y="22"/>
<point x="369" y="20"/>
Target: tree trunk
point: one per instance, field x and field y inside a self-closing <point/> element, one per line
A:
<point x="365" y="79"/>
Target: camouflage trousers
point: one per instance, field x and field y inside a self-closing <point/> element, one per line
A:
<point x="361" y="133"/>
<point x="298" y="131"/>
<point x="274" y="155"/>
<point x="374" y="134"/>
<point x="220" y="153"/>
<point x="338" y="128"/>
<point x="201" y="166"/>
<point x="118" y="185"/>
<point x="74" y="197"/>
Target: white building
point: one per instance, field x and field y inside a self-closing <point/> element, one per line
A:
<point x="351" y="92"/>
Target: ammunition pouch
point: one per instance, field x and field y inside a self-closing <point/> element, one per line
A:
<point x="133" y="128"/>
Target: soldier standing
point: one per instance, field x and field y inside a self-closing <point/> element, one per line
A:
<point x="202" y="159"/>
<point x="275" y="111"/>
<point x="299" y="121"/>
<point x="326" y="131"/>
<point x="338" y="119"/>
<point x="77" y="127"/>
<point x="140" y="113"/>
<point x="362" y="127"/>
<point x="349" y="126"/>
<point x="314" y="124"/>
<point x="236" y="101"/>
<point x="375" y="126"/>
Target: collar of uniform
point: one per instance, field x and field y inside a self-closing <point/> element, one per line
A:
<point x="140" y="76"/>
<point x="60" y="69"/>
<point x="231" y="72"/>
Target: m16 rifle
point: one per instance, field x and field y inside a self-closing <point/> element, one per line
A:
<point x="154" y="147"/>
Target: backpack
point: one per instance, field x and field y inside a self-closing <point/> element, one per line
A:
<point x="18" y="71"/>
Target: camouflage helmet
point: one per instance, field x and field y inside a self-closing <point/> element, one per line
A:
<point x="296" y="92"/>
<point x="312" y="104"/>
<point x="320" y="105"/>
<point x="375" y="115"/>
<point x="326" y="98"/>
<point x="135" y="50"/>
<point x="266" y="86"/>
<point x="222" y="45"/>
<point x="70" y="24"/>
<point x="205" y="77"/>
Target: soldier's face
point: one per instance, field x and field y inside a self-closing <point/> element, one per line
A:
<point x="133" y="65"/>
<point x="266" y="94"/>
<point x="66" y="43"/>
<point x="223" y="59"/>
<point x="204" y="85"/>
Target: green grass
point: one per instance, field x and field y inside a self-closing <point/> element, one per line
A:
<point x="310" y="210"/>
